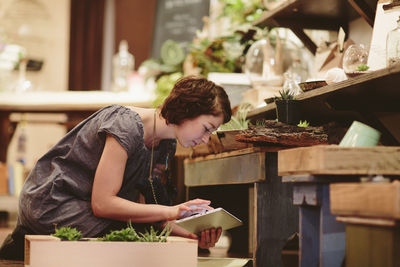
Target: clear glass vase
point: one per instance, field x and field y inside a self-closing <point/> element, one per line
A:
<point x="262" y="65"/>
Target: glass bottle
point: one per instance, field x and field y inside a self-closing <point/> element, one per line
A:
<point x="123" y="65"/>
<point x="393" y="46"/>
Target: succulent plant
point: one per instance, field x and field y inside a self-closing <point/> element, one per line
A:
<point x="285" y="95"/>
<point x="362" y="67"/>
<point x="303" y="124"/>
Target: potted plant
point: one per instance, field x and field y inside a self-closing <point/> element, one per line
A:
<point x="287" y="107"/>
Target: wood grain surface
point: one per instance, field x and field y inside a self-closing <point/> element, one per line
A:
<point x="336" y="160"/>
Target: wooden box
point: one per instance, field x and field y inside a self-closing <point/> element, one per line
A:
<point x="370" y="243"/>
<point x="366" y="199"/>
<point x="49" y="251"/>
<point x="337" y="160"/>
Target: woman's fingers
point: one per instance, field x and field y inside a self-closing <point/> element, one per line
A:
<point x="198" y="201"/>
<point x="219" y="232"/>
<point x="209" y="237"/>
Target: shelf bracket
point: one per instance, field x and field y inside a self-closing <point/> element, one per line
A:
<point x="305" y="39"/>
<point x="364" y="10"/>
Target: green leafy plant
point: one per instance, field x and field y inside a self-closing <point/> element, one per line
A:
<point x="238" y="120"/>
<point x="152" y="236"/>
<point x="362" y="67"/>
<point x="67" y="233"/>
<point x="240" y="11"/>
<point x="285" y="94"/>
<point x="126" y="234"/>
<point x="164" y="86"/>
<point x="129" y="234"/>
<point x="303" y="124"/>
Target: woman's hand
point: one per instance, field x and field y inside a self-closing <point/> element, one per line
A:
<point x="206" y="239"/>
<point x="209" y="237"/>
<point x="175" y="212"/>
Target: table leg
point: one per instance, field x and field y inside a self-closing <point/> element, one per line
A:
<point x="322" y="238"/>
<point x="277" y="217"/>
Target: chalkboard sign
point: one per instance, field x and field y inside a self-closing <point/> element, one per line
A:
<point x="178" y="20"/>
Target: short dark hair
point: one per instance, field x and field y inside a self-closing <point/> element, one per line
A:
<point x="193" y="96"/>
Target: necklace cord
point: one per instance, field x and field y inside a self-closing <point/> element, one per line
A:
<point x="151" y="159"/>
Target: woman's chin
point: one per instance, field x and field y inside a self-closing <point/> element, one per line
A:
<point x="185" y="145"/>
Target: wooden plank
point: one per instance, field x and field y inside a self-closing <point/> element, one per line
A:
<point x="233" y="169"/>
<point x="366" y="199"/>
<point x="336" y="160"/>
<point x="364" y="10"/>
<point x="307" y="194"/>
<point x="225" y="154"/>
<point x="48" y="251"/>
<point x="320" y="179"/>
<point x="300" y="10"/>
<point x="366" y="221"/>
<point x="305" y="39"/>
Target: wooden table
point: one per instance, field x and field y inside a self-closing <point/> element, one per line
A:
<point x="77" y="105"/>
<point x="312" y="170"/>
<point x="246" y="183"/>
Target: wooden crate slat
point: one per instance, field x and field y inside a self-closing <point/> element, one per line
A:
<point x="336" y="160"/>
<point x="380" y="200"/>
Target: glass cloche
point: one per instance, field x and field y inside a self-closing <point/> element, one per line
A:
<point x="355" y="58"/>
<point x="261" y="65"/>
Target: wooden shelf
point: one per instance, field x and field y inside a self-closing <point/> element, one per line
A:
<point x="359" y="98"/>
<point x="298" y="15"/>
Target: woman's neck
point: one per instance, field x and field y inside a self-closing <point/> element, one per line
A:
<point x="162" y="130"/>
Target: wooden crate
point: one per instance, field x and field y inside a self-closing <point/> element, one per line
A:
<point x="366" y="199"/>
<point x="371" y="242"/>
<point x="49" y="251"/>
<point x="336" y="160"/>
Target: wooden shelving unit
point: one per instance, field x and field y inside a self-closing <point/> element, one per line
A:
<point x="360" y="98"/>
<point x="298" y="15"/>
<point x="8" y="203"/>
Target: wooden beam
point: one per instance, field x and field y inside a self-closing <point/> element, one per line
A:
<point x="364" y="10"/>
<point x="337" y="160"/>
<point x="305" y="39"/>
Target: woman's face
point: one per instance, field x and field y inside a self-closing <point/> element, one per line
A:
<point x="195" y="131"/>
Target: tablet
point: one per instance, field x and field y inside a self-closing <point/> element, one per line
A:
<point x="211" y="219"/>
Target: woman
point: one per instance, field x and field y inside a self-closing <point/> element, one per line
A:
<point x="92" y="178"/>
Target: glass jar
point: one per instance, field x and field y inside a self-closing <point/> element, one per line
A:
<point x="393" y="46"/>
<point x="123" y="66"/>
<point x="262" y="66"/>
